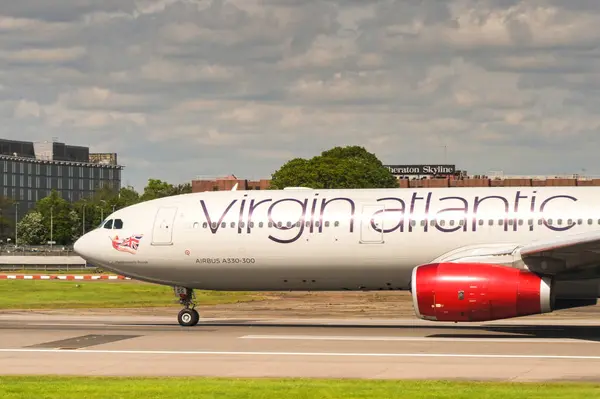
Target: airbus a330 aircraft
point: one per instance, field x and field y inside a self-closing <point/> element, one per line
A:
<point x="466" y="254"/>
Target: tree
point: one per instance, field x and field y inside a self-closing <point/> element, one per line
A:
<point x="339" y="167"/>
<point x="56" y="218"/>
<point x="31" y="229"/>
<point x="158" y="189"/>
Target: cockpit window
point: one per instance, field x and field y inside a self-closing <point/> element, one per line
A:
<point x="118" y="224"/>
<point x="108" y="225"/>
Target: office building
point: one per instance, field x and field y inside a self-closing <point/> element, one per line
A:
<point x="30" y="171"/>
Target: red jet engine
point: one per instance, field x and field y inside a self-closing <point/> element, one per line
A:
<point x="472" y="292"/>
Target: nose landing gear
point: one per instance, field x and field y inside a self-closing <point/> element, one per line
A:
<point x="188" y="316"/>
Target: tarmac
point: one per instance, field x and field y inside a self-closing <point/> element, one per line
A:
<point x="105" y="344"/>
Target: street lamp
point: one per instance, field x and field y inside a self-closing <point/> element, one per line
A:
<point x="51" y="226"/>
<point x="16" y="223"/>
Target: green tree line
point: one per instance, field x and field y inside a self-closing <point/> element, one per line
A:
<point x="56" y="219"/>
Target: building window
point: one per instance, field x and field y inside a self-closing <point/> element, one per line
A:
<point x="22" y="180"/>
<point x="14" y="180"/>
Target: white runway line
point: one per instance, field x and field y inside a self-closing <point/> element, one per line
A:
<point x="508" y="339"/>
<point x="318" y="354"/>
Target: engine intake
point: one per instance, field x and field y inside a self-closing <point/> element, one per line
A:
<point x="478" y="292"/>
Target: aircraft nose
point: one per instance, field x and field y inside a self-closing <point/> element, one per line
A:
<point x="81" y="246"/>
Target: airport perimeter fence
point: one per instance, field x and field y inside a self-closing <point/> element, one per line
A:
<point x="42" y="258"/>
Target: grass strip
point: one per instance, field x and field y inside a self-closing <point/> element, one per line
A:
<point x="56" y="294"/>
<point x="221" y="388"/>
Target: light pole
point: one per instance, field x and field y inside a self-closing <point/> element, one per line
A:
<point x="102" y="211"/>
<point x="51" y="226"/>
<point x="16" y="223"/>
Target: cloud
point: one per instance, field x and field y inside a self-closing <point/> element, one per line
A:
<point x="181" y="88"/>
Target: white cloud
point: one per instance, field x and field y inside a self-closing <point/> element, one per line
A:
<point x="218" y="87"/>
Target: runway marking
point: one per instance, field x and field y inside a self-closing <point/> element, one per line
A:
<point x="508" y="339"/>
<point x="318" y="354"/>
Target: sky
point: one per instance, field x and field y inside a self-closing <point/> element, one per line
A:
<point x="182" y="89"/>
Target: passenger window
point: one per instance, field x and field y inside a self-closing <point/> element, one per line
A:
<point x="530" y="222"/>
<point x="336" y="224"/>
<point x="214" y="225"/>
<point x="196" y="225"/>
<point x="432" y="223"/>
<point x="118" y="224"/>
<point x="540" y="221"/>
<point x="251" y="225"/>
<point x="327" y="224"/>
<point x="579" y="221"/>
<point x="108" y="225"/>
<point x="317" y="223"/>
<point x="480" y="222"/>
<point x="242" y="224"/>
<point x="590" y="221"/>
<point x="298" y="224"/>
<point x="520" y="222"/>
<point x="232" y="225"/>
<point x="270" y="224"/>
<point x="204" y="225"/>
<point x="260" y="224"/>
<point x="413" y="223"/>
<point x="423" y="223"/>
<point x="288" y="224"/>
<point x="491" y="222"/>
<point x="223" y="224"/>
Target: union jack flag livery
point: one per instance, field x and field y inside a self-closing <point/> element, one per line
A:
<point x="129" y="244"/>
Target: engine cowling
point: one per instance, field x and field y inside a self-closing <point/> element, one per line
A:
<point x="472" y="292"/>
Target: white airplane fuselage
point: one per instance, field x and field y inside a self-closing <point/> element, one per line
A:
<point x="311" y="240"/>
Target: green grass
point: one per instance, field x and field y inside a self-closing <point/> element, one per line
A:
<point x="42" y="294"/>
<point x="177" y="388"/>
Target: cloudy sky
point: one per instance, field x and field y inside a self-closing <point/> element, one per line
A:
<point x="186" y="88"/>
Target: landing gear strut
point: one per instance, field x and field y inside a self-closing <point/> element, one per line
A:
<point x="188" y="316"/>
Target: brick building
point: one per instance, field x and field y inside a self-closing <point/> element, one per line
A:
<point x="227" y="183"/>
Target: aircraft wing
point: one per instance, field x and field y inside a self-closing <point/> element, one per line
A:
<point x="571" y="254"/>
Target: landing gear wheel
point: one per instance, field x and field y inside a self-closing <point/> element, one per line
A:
<point x="188" y="317"/>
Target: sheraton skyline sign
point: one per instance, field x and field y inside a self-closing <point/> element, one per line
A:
<point x="422" y="169"/>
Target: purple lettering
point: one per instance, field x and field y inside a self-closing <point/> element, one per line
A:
<point x="479" y="201"/>
<point x="554" y="228"/>
<point x="208" y="219"/>
<point x="401" y="210"/>
<point x="464" y="209"/>
<point x="251" y="211"/>
<point x="303" y="206"/>
<point x="352" y="211"/>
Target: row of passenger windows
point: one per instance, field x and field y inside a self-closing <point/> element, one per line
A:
<point x="461" y="222"/>
<point x="113" y="225"/>
<point x="269" y="224"/>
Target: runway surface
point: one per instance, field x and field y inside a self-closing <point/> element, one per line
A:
<point x="517" y="350"/>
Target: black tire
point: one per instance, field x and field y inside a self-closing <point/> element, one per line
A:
<point x="188" y="317"/>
